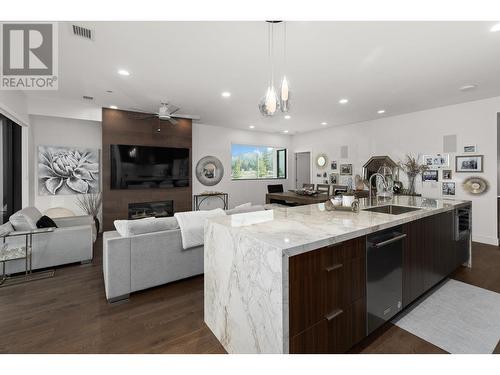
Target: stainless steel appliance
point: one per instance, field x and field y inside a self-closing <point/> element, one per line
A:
<point x="384" y="277"/>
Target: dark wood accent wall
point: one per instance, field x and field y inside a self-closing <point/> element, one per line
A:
<point x="125" y="127"/>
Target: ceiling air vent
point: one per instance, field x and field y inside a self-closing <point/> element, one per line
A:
<point x="83" y="32"/>
<point x="88" y="97"/>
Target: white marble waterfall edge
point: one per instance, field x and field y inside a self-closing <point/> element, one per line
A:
<point x="244" y="292"/>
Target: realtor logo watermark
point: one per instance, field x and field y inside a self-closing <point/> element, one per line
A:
<point x="29" y="59"/>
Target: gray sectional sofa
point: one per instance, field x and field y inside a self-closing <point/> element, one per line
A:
<point x="151" y="254"/>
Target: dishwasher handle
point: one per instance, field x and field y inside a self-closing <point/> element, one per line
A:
<point x="389" y="241"/>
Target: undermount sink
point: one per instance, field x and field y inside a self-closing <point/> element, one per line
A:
<point x="391" y="210"/>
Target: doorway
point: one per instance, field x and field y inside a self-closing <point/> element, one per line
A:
<point x="302" y="169"/>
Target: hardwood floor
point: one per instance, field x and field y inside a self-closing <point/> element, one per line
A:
<point x="69" y="314"/>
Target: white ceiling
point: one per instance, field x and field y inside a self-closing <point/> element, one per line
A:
<point x="397" y="66"/>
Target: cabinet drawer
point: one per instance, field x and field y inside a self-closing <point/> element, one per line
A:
<point x="324" y="280"/>
<point x="337" y="332"/>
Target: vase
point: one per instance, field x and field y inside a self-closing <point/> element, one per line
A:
<point x="97" y="224"/>
<point x="411" y="184"/>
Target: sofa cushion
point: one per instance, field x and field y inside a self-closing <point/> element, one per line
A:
<point x="6" y="228"/>
<point x="128" y="228"/>
<point x="46" y="222"/>
<point x="242" y="210"/>
<point x="25" y="219"/>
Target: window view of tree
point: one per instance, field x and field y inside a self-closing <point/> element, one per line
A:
<point x="257" y="162"/>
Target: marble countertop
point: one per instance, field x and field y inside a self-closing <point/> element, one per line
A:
<point x="304" y="228"/>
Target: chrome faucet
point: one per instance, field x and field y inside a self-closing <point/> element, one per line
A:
<point x="370" y="187"/>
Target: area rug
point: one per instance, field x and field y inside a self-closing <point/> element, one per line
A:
<point x="457" y="317"/>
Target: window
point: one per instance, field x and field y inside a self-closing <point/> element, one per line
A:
<point x="257" y="162"/>
<point x="10" y="168"/>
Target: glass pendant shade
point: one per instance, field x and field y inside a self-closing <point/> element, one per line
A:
<point x="269" y="103"/>
<point x="285" y="96"/>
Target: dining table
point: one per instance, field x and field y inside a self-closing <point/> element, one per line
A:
<point x="298" y="199"/>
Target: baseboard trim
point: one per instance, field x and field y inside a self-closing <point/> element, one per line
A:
<point x="486" y="240"/>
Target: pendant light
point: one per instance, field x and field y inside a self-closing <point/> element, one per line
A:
<point x="269" y="103"/>
<point x="285" y="91"/>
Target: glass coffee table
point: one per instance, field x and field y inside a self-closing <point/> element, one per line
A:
<point x="18" y="252"/>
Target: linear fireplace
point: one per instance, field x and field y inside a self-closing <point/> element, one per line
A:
<point x="150" y="209"/>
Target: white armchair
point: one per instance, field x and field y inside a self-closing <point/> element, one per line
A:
<point x="70" y="242"/>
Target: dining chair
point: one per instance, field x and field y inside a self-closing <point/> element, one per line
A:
<point x="339" y="189"/>
<point x="278" y="188"/>
<point x="308" y="186"/>
<point x="323" y="188"/>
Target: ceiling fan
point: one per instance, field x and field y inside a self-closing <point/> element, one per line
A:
<point x="168" y="112"/>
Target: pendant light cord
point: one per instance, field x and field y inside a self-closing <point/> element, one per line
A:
<point x="284" y="45"/>
<point x="271" y="44"/>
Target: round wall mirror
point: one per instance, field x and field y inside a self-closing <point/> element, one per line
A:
<point x="321" y="160"/>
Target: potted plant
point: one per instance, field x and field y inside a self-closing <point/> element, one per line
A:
<point x="412" y="169"/>
<point x="91" y="205"/>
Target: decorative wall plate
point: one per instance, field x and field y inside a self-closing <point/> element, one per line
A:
<point x="475" y="185"/>
<point x="209" y="170"/>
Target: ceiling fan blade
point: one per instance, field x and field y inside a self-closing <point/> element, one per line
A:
<point x="173" y="121"/>
<point x="191" y="117"/>
<point x="172" y="108"/>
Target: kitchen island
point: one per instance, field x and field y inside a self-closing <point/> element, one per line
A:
<point x="294" y="280"/>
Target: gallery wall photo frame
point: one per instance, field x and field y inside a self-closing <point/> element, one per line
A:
<point x="448" y="188"/>
<point x="447" y="174"/>
<point x="430" y="175"/>
<point x="346" y="169"/>
<point x="469" y="163"/>
<point x="436" y="160"/>
<point x="470" y="149"/>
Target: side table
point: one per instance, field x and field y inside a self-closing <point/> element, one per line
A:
<point x="8" y="254"/>
<point x="199" y="198"/>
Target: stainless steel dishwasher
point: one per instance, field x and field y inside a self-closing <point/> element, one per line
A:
<point x="384" y="277"/>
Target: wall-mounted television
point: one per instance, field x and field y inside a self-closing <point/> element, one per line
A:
<point x="147" y="167"/>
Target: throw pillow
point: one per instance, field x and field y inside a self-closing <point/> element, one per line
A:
<point x="46" y="222"/>
<point x="25" y="219"/>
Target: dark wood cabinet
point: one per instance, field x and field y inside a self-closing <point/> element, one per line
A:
<point x="327" y="286"/>
<point x="327" y="298"/>
<point x="429" y="254"/>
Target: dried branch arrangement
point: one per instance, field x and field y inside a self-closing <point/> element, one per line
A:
<point x="90" y="203"/>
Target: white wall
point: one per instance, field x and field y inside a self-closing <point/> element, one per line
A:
<point x="13" y="104"/>
<point x="57" y="131"/>
<point x="422" y="133"/>
<point x="216" y="141"/>
<point x="55" y="107"/>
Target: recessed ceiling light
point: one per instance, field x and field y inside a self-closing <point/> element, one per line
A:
<point x="467" y="87"/>
<point x="495" y="28"/>
<point x="324" y="123"/>
<point x="288" y="117"/>
<point x="252" y="126"/>
<point x="344" y="101"/>
<point x="123" y="72"/>
<point x="113" y="107"/>
<point x="285" y="131"/>
<point x="381" y="111"/>
<point x="226" y="94"/>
